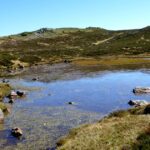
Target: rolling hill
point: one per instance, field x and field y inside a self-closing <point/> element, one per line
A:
<point x="54" y="45"/>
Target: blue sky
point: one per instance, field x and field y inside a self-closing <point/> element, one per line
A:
<point x="27" y="15"/>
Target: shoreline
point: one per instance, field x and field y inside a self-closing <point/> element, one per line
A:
<point x="119" y="130"/>
<point x="103" y="62"/>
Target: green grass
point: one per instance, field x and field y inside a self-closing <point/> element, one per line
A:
<point x="3" y="107"/>
<point x="4" y="90"/>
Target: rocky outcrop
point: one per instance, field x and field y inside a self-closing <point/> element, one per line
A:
<point x="141" y="90"/>
<point x="137" y="103"/>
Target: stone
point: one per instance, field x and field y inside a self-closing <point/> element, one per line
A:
<point x="16" y="132"/>
<point x="20" y="93"/>
<point x="138" y="103"/>
<point x="131" y="102"/>
<point x="141" y="90"/>
<point x="1" y="116"/>
<point x="70" y="103"/>
<point x="12" y="95"/>
<point x="34" y="79"/>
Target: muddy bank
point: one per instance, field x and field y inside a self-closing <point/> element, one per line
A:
<point x="78" y="67"/>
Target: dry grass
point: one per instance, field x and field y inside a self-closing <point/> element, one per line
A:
<point x="4" y="90"/>
<point x="111" y="61"/>
<point x="115" y="132"/>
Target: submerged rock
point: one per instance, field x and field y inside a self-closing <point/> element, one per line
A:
<point x="1" y="116"/>
<point x="20" y="93"/>
<point x="140" y="90"/>
<point x="71" y="103"/>
<point x="137" y="102"/>
<point x="16" y="132"/>
<point x="35" y="79"/>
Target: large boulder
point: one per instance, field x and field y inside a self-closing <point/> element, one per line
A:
<point x="16" y="132"/>
<point x="141" y="90"/>
<point x="12" y="95"/>
<point x="138" y="103"/>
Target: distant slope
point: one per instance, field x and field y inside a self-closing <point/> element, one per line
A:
<point x="56" y="44"/>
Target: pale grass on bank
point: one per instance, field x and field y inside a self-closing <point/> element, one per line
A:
<point x="112" y="133"/>
<point x="110" y="61"/>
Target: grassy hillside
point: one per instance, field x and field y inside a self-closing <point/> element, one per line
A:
<point x="51" y="45"/>
<point x="122" y="130"/>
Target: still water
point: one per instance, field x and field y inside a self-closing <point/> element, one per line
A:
<point x="44" y="115"/>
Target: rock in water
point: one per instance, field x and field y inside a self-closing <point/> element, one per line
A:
<point x="71" y="103"/>
<point x="12" y="95"/>
<point x="1" y="116"/>
<point x="16" y="132"/>
<point x="137" y="102"/>
<point x="141" y="90"/>
<point x="35" y="79"/>
<point x="20" y="93"/>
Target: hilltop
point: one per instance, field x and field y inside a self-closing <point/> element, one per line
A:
<point x="54" y="45"/>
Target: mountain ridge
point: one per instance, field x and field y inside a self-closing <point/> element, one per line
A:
<point x="51" y="45"/>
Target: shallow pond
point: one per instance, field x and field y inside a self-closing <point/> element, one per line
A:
<point x="44" y="114"/>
